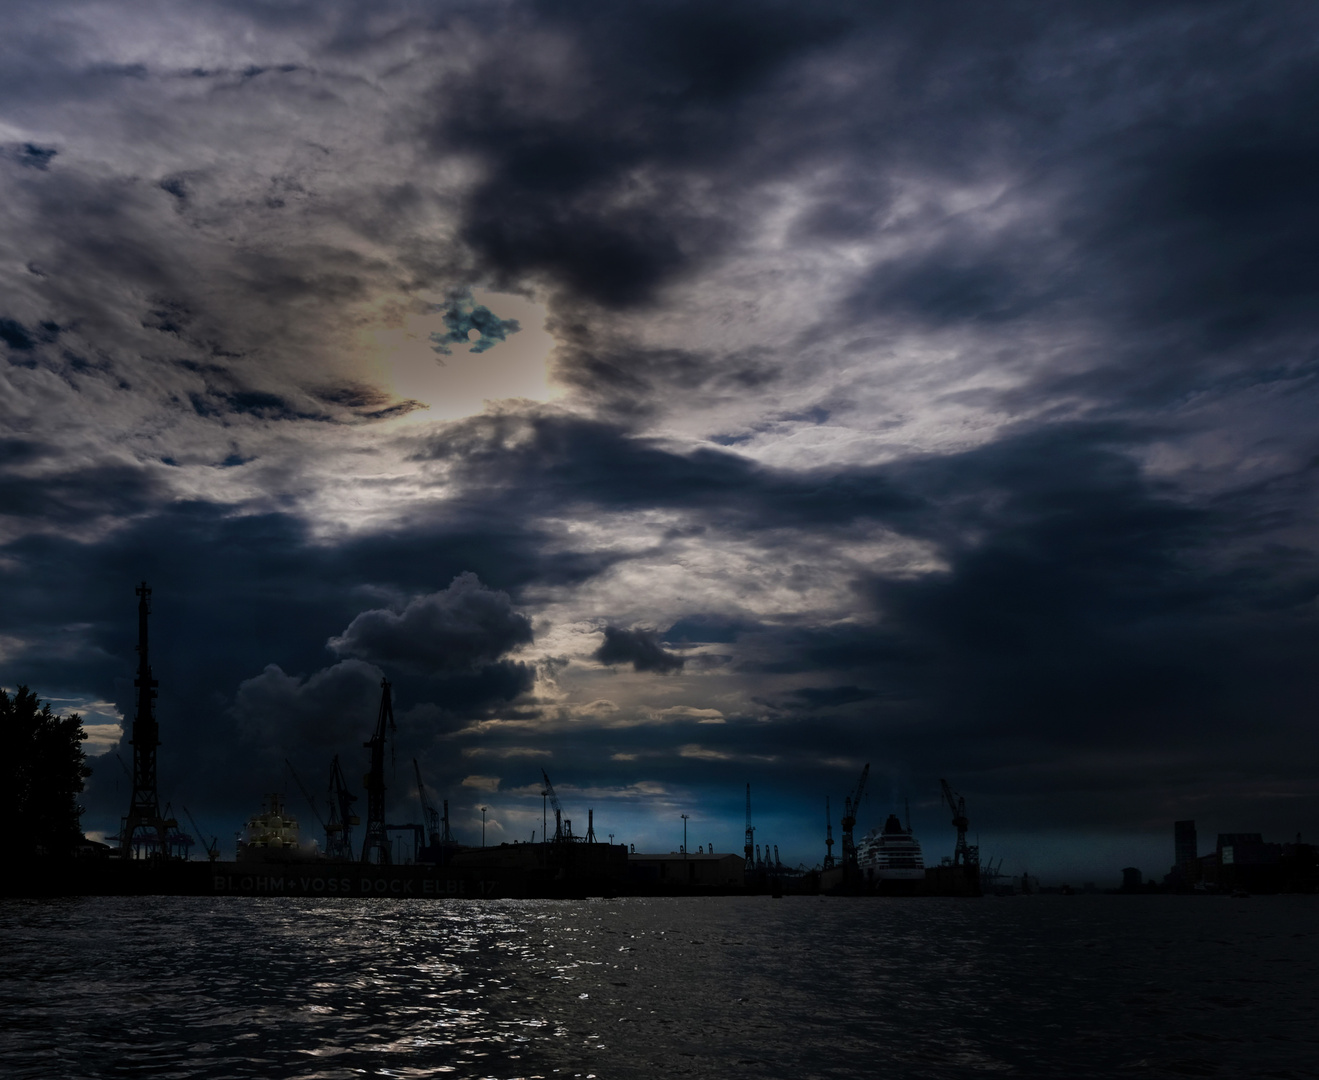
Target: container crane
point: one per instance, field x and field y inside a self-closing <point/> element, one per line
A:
<point x="339" y="830"/>
<point x="375" y="847"/>
<point x="851" y="807"/>
<point x="964" y="854"/>
<point x="828" y="837"/>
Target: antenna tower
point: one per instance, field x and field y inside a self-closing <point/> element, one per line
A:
<point x="144" y="828"/>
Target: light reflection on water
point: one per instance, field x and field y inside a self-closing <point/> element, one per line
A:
<point x="798" y="987"/>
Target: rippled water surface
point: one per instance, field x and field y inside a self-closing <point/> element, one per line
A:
<point x="798" y="987"/>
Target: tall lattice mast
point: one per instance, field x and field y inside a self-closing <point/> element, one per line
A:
<point x="376" y="842"/>
<point x="144" y="828"/>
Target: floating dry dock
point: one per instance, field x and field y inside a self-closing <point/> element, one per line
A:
<point x="510" y="871"/>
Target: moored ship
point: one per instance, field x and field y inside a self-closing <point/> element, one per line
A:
<point x="272" y="836"/>
<point x="891" y="854"/>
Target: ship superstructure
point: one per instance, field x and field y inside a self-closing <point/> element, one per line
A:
<point x="273" y="834"/>
<point x="891" y="853"/>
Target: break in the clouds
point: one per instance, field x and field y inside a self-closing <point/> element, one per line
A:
<point x="466" y="322"/>
<point x="931" y="387"/>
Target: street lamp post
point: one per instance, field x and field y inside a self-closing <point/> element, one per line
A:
<point x="684" y="836"/>
<point x="483" y="810"/>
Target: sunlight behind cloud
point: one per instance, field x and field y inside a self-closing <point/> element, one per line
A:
<point x="460" y="383"/>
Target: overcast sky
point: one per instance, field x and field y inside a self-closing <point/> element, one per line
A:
<point x="670" y="397"/>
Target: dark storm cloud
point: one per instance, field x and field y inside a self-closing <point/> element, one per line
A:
<point x="628" y="381"/>
<point x="639" y="647"/>
<point x="325" y="710"/>
<point x="1126" y="190"/>
<point x="29" y="154"/>
<point x="544" y="461"/>
<point x="75" y="497"/>
<point x="830" y="697"/>
<point x="242" y="607"/>
<point x="461" y="628"/>
<point x="990" y="220"/>
<point x="15" y="335"/>
<point x="1082" y="606"/>
<point x="598" y="188"/>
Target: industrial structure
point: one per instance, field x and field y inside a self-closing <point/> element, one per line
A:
<point x="440" y="845"/>
<point x="563" y="833"/>
<point x="562" y="864"/>
<point x="145" y="831"/>
<point x="375" y="845"/>
<point x="964" y="854"/>
<point x="828" y="837"/>
<point x="751" y="835"/>
<point x="852" y="807"/>
<point x="339" y="829"/>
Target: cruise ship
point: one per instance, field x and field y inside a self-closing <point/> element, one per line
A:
<point x="891" y="853"/>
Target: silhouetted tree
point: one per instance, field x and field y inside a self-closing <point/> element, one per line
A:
<point x="42" y="768"/>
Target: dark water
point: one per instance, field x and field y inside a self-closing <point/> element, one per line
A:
<point x="754" y="987"/>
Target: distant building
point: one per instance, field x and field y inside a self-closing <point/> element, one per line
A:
<point x="1185" y="847"/>
<point x="1241" y="860"/>
<point x="1131" y="880"/>
<point x="1236" y="840"/>
<point x="680" y="871"/>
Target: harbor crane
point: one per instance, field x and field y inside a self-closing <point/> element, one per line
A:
<point x="562" y="826"/>
<point x="339" y="829"/>
<point x="964" y="854"/>
<point x="851" y="807"/>
<point x="828" y="837"/>
<point x="446" y="837"/>
<point x="375" y="847"/>
<point x="428" y="813"/>
<point x="213" y="848"/>
<point x="751" y="835"/>
<point x="310" y="801"/>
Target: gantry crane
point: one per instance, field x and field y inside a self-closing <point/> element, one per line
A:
<point x="339" y="829"/>
<point x="375" y="847"/>
<point x="828" y="837"/>
<point x="964" y="854"/>
<point x="851" y="807"/>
